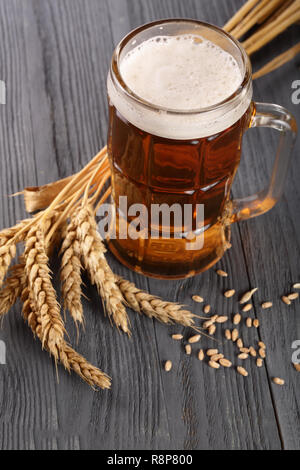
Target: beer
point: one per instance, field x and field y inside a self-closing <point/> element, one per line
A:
<point x="170" y="142"/>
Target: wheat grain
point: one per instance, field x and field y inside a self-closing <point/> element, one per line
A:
<point x="217" y="357"/>
<point x="93" y="258"/>
<point x="247" y="307"/>
<point x="262" y="353"/>
<point x="212" y="330"/>
<point x="197" y="298"/>
<point x="245" y="350"/>
<point x="225" y="362"/>
<point x="243" y="356"/>
<point x="152" y="306"/>
<point x="293" y="296"/>
<point x="221" y="319"/>
<point x="177" y="337"/>
<point x="228" y="334"/>
<point x="211" y="352"/>
<point x="234" y="335"/>
<point x="266" y="305"/>
<point x="242" y="371"/>
<point x="214" y="365"/>
<point x="286" y="300"/>
<point x="194" y="339"/>
<point x="229" y="293"/>
<point x="297" y="367"/>
<point x="206" y="309"/>
<point x="188" y="349"/>
<point x="221" y="273"/>
<point x="168" y="366"/>
<point x="247" y="296"/>
<point x="278" y="381"/>
<point x="201" y="355"/>
<point x="259" y="362"/>
<point x="237" y="319"/>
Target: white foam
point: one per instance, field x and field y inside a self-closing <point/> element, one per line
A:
<point x="179" y="73"/>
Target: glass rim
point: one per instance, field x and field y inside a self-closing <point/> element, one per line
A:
<point x="121" y="84"/>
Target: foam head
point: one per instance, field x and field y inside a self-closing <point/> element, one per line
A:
<point x="182" y="73"/>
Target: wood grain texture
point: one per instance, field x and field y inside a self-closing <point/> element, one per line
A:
<point x="54" y="59"/>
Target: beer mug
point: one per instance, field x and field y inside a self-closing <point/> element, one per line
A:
<point x="180" y="100"/>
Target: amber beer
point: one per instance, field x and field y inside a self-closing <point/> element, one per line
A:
<point x="171" y="141"/>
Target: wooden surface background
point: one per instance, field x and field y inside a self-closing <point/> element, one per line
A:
<point x="54" y="57"/>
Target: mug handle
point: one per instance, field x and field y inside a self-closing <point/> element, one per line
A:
<point x="279" y="118"/>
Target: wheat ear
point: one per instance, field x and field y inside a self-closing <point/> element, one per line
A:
<point x="93" y="257"/>
<point x="71" y="273"/>
<point x="42" y="291"/>
<point x="68" y="357"/>
<point x="7" y="253"/>
<point x="154" y="307"/>
<point x="12" y="287"/>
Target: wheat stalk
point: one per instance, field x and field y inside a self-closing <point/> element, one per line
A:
<point x="71" y="273"/>
<point x="11" y="232"/>
<point x="93" y="257"/>
<point x="41" y="290"/>
<point x="153" y="306"/>
<point x="68" y="357"/>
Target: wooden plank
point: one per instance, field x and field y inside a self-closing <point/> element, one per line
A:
<point x="55" y="120"/>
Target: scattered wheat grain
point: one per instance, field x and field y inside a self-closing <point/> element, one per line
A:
<point x="194" y="339"/>
<point x="214" y="365"/>
<point x="234" y="335"/>
<point x="247" y="307"/>
<point x="198" y="299"/>
<point x="221" y="273"/>
<point x="259" y="362"/>
<point x="278" y="381"/>
<point x="201" y="355"/>
<point x="229" y="293"/>
<point x="266" y="305"/>
<point x="242" y="371"/>
<point x="247" y="296"/>
<point x="177" y="337"/>
<point x="286" y="300"/>
<point x="206" y="309"/>
<point x="225" y="362"/>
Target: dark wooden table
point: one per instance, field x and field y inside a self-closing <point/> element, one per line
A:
<point x="54" y="60"/>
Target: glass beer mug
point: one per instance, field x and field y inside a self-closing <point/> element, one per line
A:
<point x="183" y="155"/>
